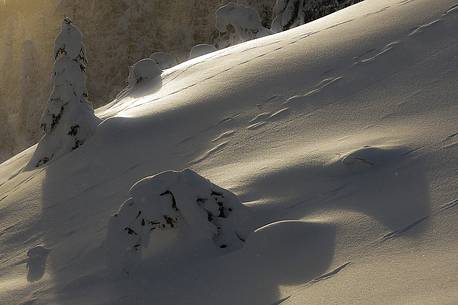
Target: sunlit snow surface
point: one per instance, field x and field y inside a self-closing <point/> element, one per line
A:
<point x="339" y="136"/>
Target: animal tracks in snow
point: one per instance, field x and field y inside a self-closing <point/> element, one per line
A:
<point x="384" y="50"/>
<point x="210" y="152"/>
<point x="279" y="113"/>
<point x="408" y="227"/>
<point x="224" y="135"/>
<point x="450" y="141"/>
<point x="317" y="89"/>
<point x="423" y="27"/>
<point x="330" y="273"/>
<point x="256" y="125"/>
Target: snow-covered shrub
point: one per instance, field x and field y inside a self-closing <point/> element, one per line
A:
<point x="182" y="201"/>
<point x="237" y="23"/>
<point x="288" y="14"/>
<point x="69" y="120"/>
<point x="164" y="60"/>
<point x="144" y="71"/>
<point x="201" y="49"/>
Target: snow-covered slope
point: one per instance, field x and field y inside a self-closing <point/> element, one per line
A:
<point x="339" y="136"/>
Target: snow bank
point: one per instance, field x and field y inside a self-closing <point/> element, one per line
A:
<point x="69" y="119"/>
<point x="175" y="201"/>
<point x="201" y="49"/>
<point x="164" y="60"/>
<point x="237" y="23"/>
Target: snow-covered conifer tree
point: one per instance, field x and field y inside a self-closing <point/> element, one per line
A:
<point x="288" y="14"/>
<point x="238" y="23"/>
<point x="69" y="120"/>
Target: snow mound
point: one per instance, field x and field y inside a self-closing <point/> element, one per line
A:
<point x="201" y="49"/>
<point x="372" y="156"/>
<point x="237" y="23"/>
<point x="144" y="71"/>
<point x="164" y="60"/>
<point x="181" y="201"/>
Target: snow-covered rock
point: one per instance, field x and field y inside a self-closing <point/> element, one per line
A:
<point x="69" y="119"/>
<point x="143" y="71"/>
<point x="182" y="201"/>
<point x="164" y="60"/>
<point x="201" y="49"/>
<point x="238" y="23"/>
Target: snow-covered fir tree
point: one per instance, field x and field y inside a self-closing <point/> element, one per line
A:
<point x="238" y="23"/>
<point x="69" y="120"/>
<point x="288" y="14"/>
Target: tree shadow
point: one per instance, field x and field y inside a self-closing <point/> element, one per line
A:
<point x="394" y="192"/>
<point x="280" y="254"/>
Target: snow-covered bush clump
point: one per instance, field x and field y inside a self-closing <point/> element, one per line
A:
<point x="237" y="23"/>
<point x="144" y="71"/>
<point x="69" y="120"/>
<point x="201" y="49"/>
<point x="164" y="60"/>
<point x="288" y="14"/>
<point x="184" y="202"/>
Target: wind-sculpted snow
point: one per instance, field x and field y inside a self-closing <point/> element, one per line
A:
<point x="339" y="137"/>
<point x="176" y="201"/>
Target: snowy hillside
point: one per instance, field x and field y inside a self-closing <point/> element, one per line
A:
<point x="338" y="137"/>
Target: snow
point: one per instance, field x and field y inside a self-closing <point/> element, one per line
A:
<point x="69" y="41"/>
<point x="287" y="14"/>
<point x="338" y="137"/>
<point x="144" y="71"/>
<point x="238" y="23"/>
<point x="69" y="119"/>
<point x="164" y="60"/>
<point x="198" y="210"/>
<point x="201" y="49"/>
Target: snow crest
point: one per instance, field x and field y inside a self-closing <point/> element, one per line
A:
<point x="201" y="49"/>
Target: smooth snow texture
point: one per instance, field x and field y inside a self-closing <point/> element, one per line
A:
<point x="339" y="137"/>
